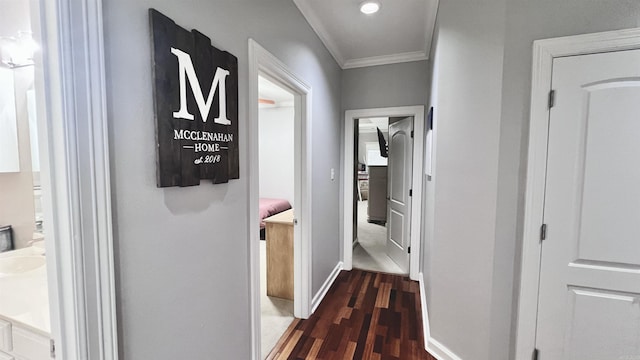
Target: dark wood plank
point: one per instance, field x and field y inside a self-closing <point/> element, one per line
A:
<point x="233" y="156"/>
<point x="189" y="173"/>
<point x="165" y="93"/>
<point x="203" y="64"/>
<point x="365" y="315"/>
<point x="283" y="339"/>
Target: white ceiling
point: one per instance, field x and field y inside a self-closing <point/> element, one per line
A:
<point x="268" y="90"/>
<point x="370" y="124"/>
<point x="400" y="32"/>
<point x="15" y="16"/>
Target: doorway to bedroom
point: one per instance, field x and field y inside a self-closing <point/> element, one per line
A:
<point x="382" y="161"/>
<point x="404" y="146"/>
<point x="276" y="116"/>
<point x="279" y="154"/>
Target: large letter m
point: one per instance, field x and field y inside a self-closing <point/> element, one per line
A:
<point x="219" y="83"/>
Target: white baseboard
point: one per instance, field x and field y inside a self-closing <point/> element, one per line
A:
<point x="317" y="299"/>
<point x="440" y="351"/>
<point x="433" y="346"/>
<point x="426" y="333"/>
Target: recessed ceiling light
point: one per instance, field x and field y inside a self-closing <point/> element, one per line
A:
<point x="369" y="7"/>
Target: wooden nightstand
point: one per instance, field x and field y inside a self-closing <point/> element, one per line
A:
<point x="279" y="237"/>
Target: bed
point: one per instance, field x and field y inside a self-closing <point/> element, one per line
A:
<point x="270" y="207"/>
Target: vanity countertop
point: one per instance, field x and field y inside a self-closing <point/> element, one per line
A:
<point x="24" y="297"/>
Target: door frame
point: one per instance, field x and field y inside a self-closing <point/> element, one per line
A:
<point x="263" y="62"/>
<point x="544" y="51"/>
<point x="74" y="143"/>
<point x="417" y="179"/>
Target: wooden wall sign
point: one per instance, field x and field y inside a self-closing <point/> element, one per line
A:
<point x="196" y="106"/>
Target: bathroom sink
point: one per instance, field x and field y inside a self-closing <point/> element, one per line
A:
<point x="20" y="264"/>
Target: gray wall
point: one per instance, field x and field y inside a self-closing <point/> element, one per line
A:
<point x="401" y="84"/>
<point x="472" y="278"/>
<point x="181" y="253"/>
<point x="466" y="95"/>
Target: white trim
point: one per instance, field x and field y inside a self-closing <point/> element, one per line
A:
<point x="432" y="15"/>
<point x="385" y="59"/>
<point x="544" y="51"/>
<point x="76" y="179"/>
<point x="426" y="330"/>
<point x="417" y="184"/>
<point x="328" y="41"/>
<point x="317" y="299"/>
<point x="320" y="30"/>
<point x="264" y="63"/>
<point x="433" y="346"/>
<point x="439" y="351"/>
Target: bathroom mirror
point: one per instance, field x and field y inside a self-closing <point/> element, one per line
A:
<point x="9" y="157"/>
<point x="20" y="190"/>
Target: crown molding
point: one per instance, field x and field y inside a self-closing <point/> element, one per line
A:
<point x="432" y="15"/>
<point x="332" y="47"/>
<point x="385" y="59"/>
<point x="321" y="31"/>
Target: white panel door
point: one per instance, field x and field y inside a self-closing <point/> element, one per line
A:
<point x="399" y="184"/>
<point x="589" y="297"/>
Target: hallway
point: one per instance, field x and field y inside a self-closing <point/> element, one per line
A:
<point x="365" y="315"/>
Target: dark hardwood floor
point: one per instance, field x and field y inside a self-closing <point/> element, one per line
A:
<point x="365" y="315"/>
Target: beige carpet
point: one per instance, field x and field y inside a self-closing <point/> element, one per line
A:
<point x="370" y="253"/>
<point x="277" y="314"/>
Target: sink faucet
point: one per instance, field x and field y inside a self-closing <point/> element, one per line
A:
<point x="33" y="244"/>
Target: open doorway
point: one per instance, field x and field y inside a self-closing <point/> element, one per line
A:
<point x="291" y="228"/>
<point x="56" y="264"/>
<point x="371" y="196"/>
<point x="402" y="221"/>
<point x="276" y="117"/>
<point x="24" y="304"/>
